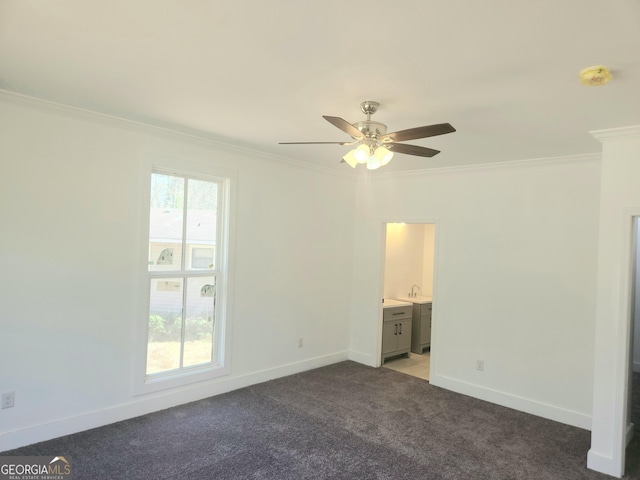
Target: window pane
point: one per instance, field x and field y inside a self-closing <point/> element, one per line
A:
<point x="200" y="320"/>
<point x="165" y="325"/>
<point x="201" y="219"/>
<point x="201" y="257"/>
<point x="166" y="223"/>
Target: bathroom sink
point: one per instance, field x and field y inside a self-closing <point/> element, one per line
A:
<point x="388" y="302"/>
<point x="416" y="299"/>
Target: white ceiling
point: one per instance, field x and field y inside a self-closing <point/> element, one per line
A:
<point x="258" y="72"/>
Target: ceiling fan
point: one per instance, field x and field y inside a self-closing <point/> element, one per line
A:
<point x="374" y="146"/>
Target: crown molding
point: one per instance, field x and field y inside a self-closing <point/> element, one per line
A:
<point x="616" y="133"/>
<point x="209" y="140"/>
<point x="497" y="166"/>
<point x="165" y="131"/>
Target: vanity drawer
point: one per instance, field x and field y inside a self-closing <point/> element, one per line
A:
<point x="396" y="313"/>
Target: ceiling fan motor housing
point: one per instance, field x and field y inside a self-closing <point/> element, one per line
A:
<point x="371" y="129"/>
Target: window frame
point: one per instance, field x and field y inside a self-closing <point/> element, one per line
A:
<point x="220" y="364"/>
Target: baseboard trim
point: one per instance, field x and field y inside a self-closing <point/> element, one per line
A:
<point x="516" y="402"/>
<point x="363" y="358"/>
<point x="144" y="404"/>
<point x="604" y="464"/>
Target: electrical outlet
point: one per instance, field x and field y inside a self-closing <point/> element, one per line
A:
<point x="480" y="365"/>
<point x="8" y="399"/>
<point x="300" y="342"/>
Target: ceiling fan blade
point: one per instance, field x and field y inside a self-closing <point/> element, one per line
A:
<point x="345" y="126"/>
<point x="412" y="149"/>
<point x="418" y="132"/>
<point x="314" y="143"/>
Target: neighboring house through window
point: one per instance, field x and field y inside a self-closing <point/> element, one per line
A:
<point x="202" y="257"/>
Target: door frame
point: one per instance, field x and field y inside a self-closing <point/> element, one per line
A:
<point x="438" y="235"/>
<point x="621" y="433"/>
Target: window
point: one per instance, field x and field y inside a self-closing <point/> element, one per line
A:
<point x="185" y="330"/>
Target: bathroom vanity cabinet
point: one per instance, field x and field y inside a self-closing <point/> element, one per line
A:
<point x="421" y="322"/>
<point x="396" y="330"/>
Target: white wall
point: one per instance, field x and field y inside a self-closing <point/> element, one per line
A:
<point x="403" y="259"/>
<point x="70" y="210"/>
<point x="428" y="259"/>
<point x="515" y="281"/>
<point x="408" y="259"/>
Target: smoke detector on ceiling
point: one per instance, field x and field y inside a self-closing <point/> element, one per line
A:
<point x="595" y="76"/>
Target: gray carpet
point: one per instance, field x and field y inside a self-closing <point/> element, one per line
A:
<point x="344" y="421"/>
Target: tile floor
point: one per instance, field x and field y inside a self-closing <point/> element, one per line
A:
<point x="416" y="365"/>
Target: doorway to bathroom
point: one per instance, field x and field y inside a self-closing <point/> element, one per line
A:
<point x="408" y="292"/>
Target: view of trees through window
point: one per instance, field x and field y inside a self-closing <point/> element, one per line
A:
<point x="167" y="191"/>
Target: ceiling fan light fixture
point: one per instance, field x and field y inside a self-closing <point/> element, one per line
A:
<point x="350" y="158"/>
<point x="361" y="153"/>
<point x="384" y="155"/>
<point x="373" y="162"/>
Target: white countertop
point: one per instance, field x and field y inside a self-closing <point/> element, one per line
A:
<point x="417" y="299"/>
<point x="388" y="302"/>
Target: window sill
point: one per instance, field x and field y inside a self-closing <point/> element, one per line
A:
<point x="156" y="383"/>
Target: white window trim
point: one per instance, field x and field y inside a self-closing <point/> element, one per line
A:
<point x="142" y="383"/>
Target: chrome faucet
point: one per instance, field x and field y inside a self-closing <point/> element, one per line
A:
<point x="412" y="294"/>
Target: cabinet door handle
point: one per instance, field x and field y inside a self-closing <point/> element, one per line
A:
<point x="400" y="329"/>
<point x="396" y="332"/>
